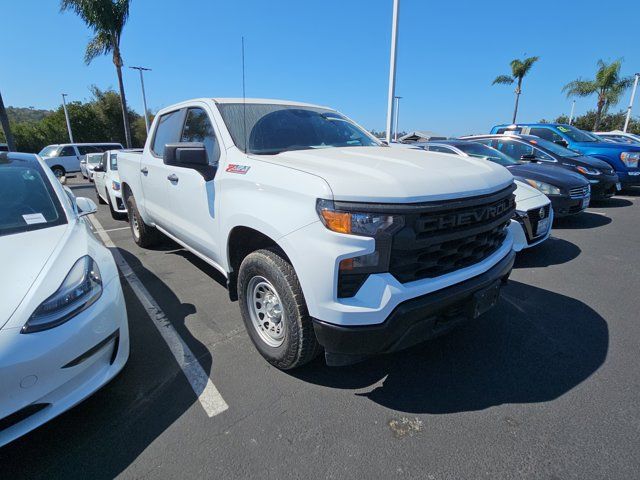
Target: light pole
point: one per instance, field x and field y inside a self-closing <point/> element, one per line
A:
<point x="144" y="97"/>
<point x="633" y="95"/>
<point x="392" y="68"/>
<point x="66" y="115"/>
<point x="573" y="108"/>
<point x="395" y="130"/>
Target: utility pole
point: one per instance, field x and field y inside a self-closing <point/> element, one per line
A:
<point x="66" y="115"/>
<point x="395" y="132"/>
<point x="144" y="97"/>
<point x="573" y="108"/>
<point x="392" y="68"/>
<point x="4" y="120"/>
<point x="633" y="95"/>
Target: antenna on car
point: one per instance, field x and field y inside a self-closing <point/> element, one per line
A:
<point x="244" y="102"/>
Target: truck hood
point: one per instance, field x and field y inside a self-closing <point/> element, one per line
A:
<point x="606" y="146"/>
<point x="23" y="257"/>
<point x="397" y="175"/>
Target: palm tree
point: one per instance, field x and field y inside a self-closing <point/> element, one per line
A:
<point x="519" y="69"/>
<point x="608" y="86"/>
<point x="107" y="19"/>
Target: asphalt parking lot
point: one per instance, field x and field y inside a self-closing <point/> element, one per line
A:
<point x="544" y="386"/>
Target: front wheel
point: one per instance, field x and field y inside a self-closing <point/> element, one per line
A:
<point x="274" y="310"/>
<point x="60" y="174"/>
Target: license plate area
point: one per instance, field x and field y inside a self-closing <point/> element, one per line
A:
<point x="543" y="226"/>
<point x="486" y="299"/>
<point x="585" y="201"/>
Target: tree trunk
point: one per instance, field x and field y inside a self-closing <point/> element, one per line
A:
<point x="117" y="61"/>
<point x="515" y="109"/>
<point x="596" y="124"/>
<point x="4" y="120"/>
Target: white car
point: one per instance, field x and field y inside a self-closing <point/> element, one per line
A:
<point x="107" y="183"/>
<point x="65" y="158"/>
<point x="63" y="323"/>
<point x="533" y="218"/>
<point x="618" y="136"/>
<point x="88" y="163"/>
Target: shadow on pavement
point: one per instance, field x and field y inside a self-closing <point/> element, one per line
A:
<point x="103" y="435"/>
<point x="534" y="347"/>
<point x="612" y="202"/>
<point x="582" y="220"/>
<point x="554" y="251"/>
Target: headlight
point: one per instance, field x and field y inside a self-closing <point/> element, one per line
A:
<point x="630" y="159"/>
<point x="588" y="170"/>
<point x="115" y="185"/>
<point x="544" y="187"/>
<point x="354" y="271"/>
<point x="81" y="288"/>
<point x="354" y="223"/>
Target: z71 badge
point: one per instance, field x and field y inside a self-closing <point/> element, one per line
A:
<point x="241" y="169"/>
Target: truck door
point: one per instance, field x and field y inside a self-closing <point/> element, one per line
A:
<point x="194" y="217"/>
<point x="153" y="171"/>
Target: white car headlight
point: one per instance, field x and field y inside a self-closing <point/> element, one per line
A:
<point x="80" y="289"/>
<point x="115" y="185"/>
<point x="630" y="159"/>
<point x="544" y="187"/>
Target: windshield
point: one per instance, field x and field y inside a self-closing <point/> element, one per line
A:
<point x="268" y="129"/>
<point x="27" y="198"/>
<point x="479" y="150"/>
<point x="49" y="151"/>
<point x="554" y="148"/>
<point x="94" y="159"/>
<point x="577" y="135"/>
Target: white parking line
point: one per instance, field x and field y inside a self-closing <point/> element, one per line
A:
<point x="111" y="229"/>
<point x="207" y="393"/>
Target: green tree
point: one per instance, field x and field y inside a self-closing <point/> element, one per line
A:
<point x="608" y="85"/>
<point x="519" y="70"/>
<point x="107" y="19"/>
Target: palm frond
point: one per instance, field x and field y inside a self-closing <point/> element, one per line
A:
<point x="580" y="88"/>
<point x="101" y="44"/>
<point x="520" y="68"/>
<point x="503" y="80"/>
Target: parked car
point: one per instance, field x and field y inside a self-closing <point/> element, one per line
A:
<point x="107" y="182"/>
<point x="63" y="322"/>
<point x="618" y="136"/>
<point x="623" y="158"/>
<point x="65" y="158"/>
<point x="4" y="147"/>
<point x="533" y="217"/>
<point x="327" y="237"/>
<point x="569" y="192"/>
<point x="603" y="179"/>
<point x="88" y="164"/>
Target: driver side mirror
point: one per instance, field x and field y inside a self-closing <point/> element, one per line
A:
<point x="186" y="154"/>
<point x="98" y="168"/>
<point x="529" y="157"/>
<point x="85" y="206"/>
<point x="562" y="143"/>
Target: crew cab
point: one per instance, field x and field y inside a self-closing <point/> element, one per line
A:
<point x="622" y="157"/>
<point x="328" y="238"/>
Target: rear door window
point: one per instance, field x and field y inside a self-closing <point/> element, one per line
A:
<point x="84" y="149"/>
<point x="545" y="133"/>
<point x="168" y="130"/>
<point x="67" y="152"/>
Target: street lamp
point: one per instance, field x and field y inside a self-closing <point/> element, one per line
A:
<point x="395" y="131"/>
<point x="392" y="68"/>
<point x="633" y="95"/>
<point x="66" y="116"/>
<point x="573" y="108"/>
<point x="144" y="97"/>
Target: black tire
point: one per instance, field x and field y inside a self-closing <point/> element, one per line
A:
<point x="60" y="174"/>
<point x="299" y="345"/>
<point x="114" y="214"/>
<point x="144" y="235"/>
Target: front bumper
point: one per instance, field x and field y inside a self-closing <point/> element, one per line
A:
<point x="630" y="178"/>
<point x="412" y="321"/>
<point x="116" y="201"/>
<point x="44" y="374"/>
<point x="564" y="205"/>
<point x="605" y="186"/>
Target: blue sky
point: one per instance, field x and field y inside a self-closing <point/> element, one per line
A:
<point x="331" y="52"/>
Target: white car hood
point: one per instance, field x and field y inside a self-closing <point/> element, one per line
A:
<point x="525" y="192"/>
<point x="23" y="257"/>
<point x="383" y="174"/>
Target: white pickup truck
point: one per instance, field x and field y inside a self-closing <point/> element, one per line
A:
<point x="328" y="238"/>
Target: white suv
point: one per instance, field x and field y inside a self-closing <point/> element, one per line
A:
<point x="65" y="158"/>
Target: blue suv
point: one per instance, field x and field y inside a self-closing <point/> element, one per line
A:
<point x="621" y="156"/>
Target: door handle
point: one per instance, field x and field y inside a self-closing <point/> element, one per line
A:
<point x="173" y="178"/>
<point x="144" y="170"/>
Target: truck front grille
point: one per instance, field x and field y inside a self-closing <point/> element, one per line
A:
<point x="443" y="237"/>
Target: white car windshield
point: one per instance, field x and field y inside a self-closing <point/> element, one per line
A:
<point x="27" y="198"/>
<point x="269" y="129"/>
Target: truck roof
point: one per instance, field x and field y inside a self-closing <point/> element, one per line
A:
<point x="266" y="101"/>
